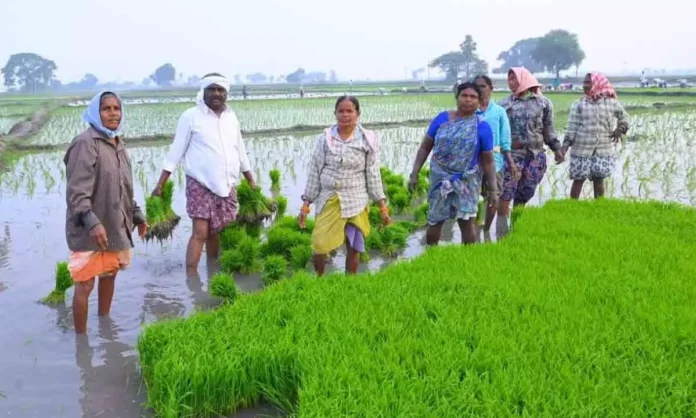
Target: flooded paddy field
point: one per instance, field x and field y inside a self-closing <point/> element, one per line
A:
<point x="47" y="371"/>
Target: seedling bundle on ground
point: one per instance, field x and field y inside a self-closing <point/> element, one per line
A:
<point x="64" y="282"/>
<point x="462" y="330"/>
<point x="160" y="215"/>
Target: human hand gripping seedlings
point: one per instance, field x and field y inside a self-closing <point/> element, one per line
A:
<point x="302" y="217"/>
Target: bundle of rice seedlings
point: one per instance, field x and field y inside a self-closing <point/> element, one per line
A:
<point x="281" y="206"/>
<point x="290" y="222"/>
<point x="231" y="236"/>
<point x="63" y="282"/>
<point x="222" y="286"/>
<point x="254" y="207"/>
<point x="279" y="241"/>
<point x="300" y="255"/>
<point x="160" y="215"/>
<point x="420" y="215"/>
<point x="390" y="239"/>
<point x="243" y="259"/>
<point x="275" y="179"/>
<point x="401" y="201"/>
<point x="275" y="268"/>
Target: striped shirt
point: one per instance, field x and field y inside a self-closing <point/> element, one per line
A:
<point x="349" y="169"/>
<point x="591" y="124"/>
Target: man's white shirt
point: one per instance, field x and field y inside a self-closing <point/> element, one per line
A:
<point x="211" y="147"/>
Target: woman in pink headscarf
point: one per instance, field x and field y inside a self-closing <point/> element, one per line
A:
<point x="596" y="122"/>
<point x="531" y="125"/>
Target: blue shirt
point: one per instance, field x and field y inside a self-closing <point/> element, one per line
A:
<point x="500" y="125"/>
<point x="485" y="134"/>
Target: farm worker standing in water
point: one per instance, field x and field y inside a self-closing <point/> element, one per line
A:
<point x="209" y="140"/>
<point x="531" y="124"/>
<point x="497" y="118"/>
<point x="462" y="145"/>
<point x="344" y="175"/>
<point x="595" y="123"/>
<point x="101" y="213"/>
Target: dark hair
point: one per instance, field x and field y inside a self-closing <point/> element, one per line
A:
<point x="351" y="99"/>
<point x="213" y="74"/>
<point x="468" y="85"/>
<point x="485" y="78"/>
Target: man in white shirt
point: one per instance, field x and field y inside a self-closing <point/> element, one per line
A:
<point x="209" y="141"/>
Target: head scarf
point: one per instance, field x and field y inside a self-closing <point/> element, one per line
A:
<point x="209" y="81"/>
<point x="601" y="87"/>
<point x="526" y="81"/>
<point x="93" y="117"/>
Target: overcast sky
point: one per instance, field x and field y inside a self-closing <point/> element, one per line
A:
<point x="127" y="39"/>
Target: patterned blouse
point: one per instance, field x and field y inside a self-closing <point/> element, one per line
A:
<point x="531" y="124"/>
<point x="591" y="124"/>
<point x="348" y="168"/>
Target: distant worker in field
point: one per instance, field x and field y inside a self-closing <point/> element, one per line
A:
<point x="209" y="141"/>
<point x="596" y="123"/>
<point x="461" y="142"/>
<point x="101" y="212"/>
<point x="498" y="120"/>
<point x="301" y="92"/>
<point x="531" y="118"/>
<point x="245" y="93"/>
<point x="344" y="176"/>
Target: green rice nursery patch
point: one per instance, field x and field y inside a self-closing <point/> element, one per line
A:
<point x="602" y="324"/>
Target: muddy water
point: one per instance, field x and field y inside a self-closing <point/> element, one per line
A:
<point x="48" y="372"/>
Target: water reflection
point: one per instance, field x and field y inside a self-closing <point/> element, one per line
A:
<point x="108" y="388"/>
<point x="5" y="247"/>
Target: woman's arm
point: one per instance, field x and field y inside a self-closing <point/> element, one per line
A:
<point x="506" y="138"/>
<point x="486" y="143"/>
<point x="572" y="126"/>
<point x="548" y="130"/>
<point x="81" y="172"/>
<point x="316" y="165"/>
<point x="621" y="118"/>
<point x="373" y="176"/>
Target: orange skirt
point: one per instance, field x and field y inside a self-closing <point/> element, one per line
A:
<point x="86" y="265"/>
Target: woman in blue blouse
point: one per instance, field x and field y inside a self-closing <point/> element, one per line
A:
<point x="462" y="145"/>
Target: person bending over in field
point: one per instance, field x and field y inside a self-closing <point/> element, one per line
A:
<point x="595" y="123"/>
<point x="101" y="211"/>
<point x="209" y="140"/>
<point x="462" y="145"/>
<point x="344" y="175"/>
<point x="500" y="126"/>
<point x="531" y="124"/>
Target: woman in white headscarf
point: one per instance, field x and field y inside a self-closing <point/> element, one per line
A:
<point x="209" y="141"/>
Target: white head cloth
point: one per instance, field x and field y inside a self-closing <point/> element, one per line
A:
<point x="209" y="81"/>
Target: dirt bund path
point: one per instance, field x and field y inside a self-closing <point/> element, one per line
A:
<point x="26" y="129"/>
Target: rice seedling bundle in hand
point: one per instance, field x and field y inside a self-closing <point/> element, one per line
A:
<point x="160" y="215"/>
<point x="254" y="207"/>
<point x="63" y="282"/>
<point x="222" y="286"/>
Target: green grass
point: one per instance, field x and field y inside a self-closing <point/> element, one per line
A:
<point x="587" y="309"/>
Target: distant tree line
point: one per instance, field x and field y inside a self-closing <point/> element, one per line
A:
<point x="554" y="52"/>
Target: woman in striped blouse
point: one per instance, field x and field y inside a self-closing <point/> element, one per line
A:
<point x="343" y="177"/>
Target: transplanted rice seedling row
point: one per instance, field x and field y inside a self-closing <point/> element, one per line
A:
<point x="261" y="115"/>
<point x="603" y="325"/>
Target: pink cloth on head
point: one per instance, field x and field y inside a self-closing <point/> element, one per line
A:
<point x="525" y="80"/>
<point x="601" y="87"/>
